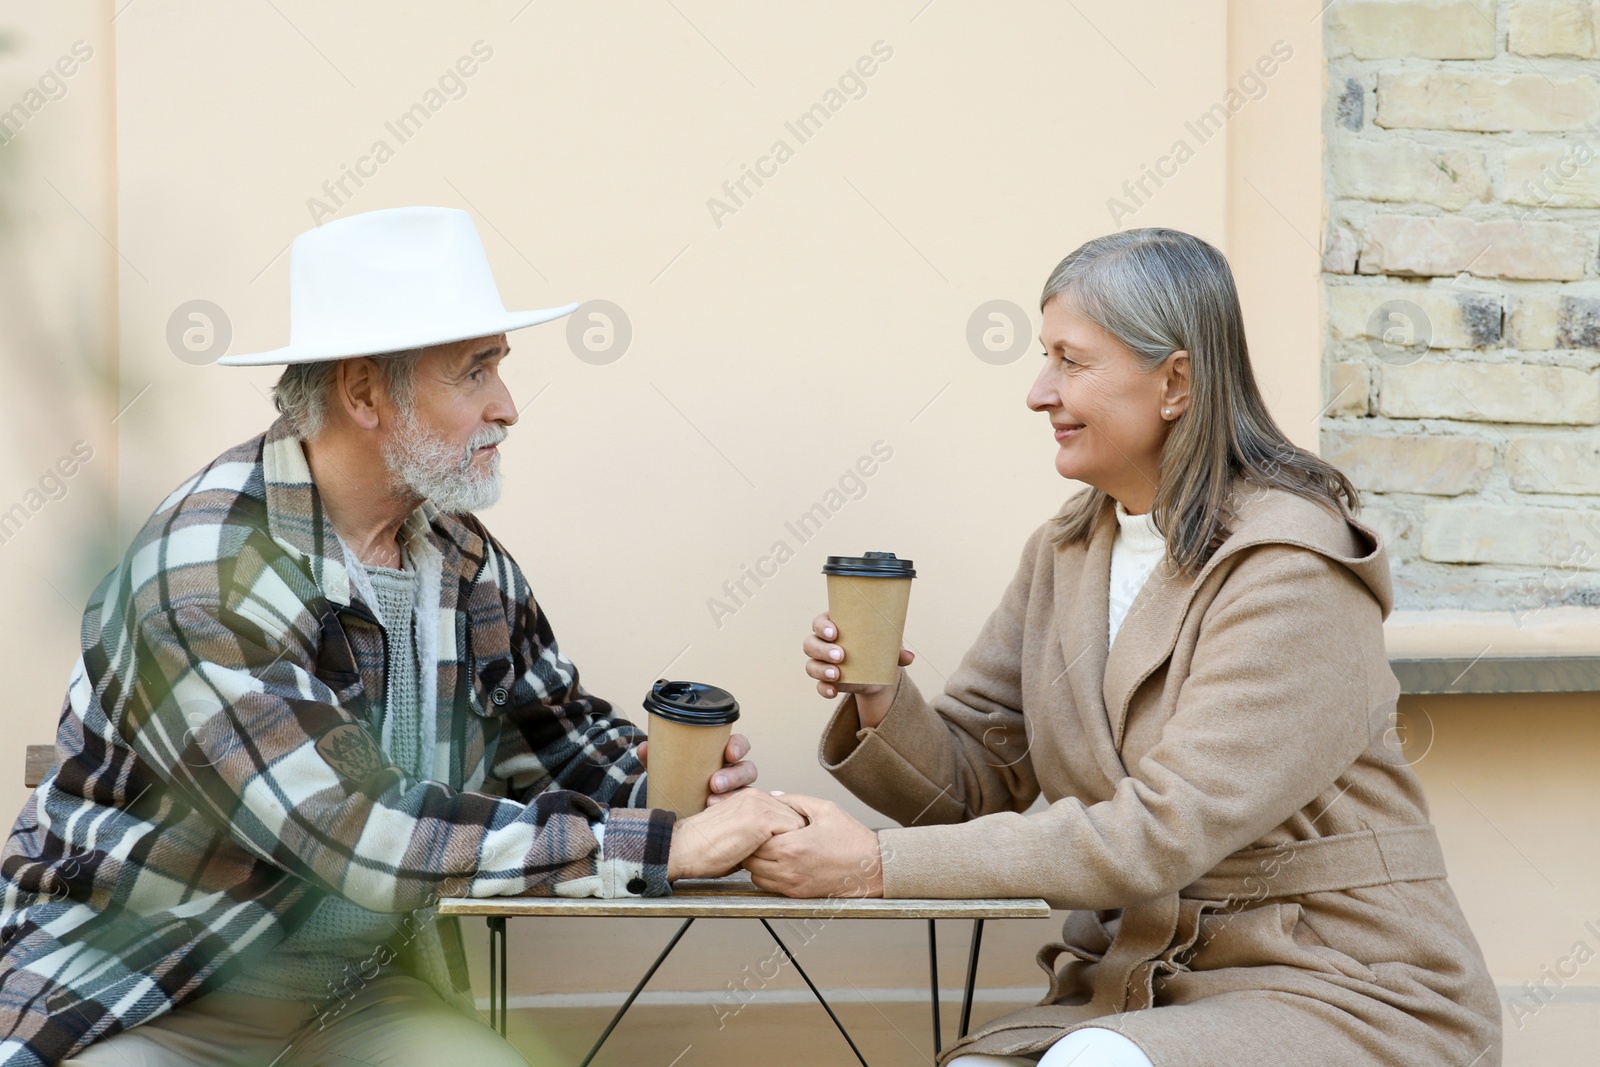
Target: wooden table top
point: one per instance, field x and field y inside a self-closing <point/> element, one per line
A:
<point x="735" y="897"/>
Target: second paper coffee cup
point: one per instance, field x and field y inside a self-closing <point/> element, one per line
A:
<point x="867" y="598"/>
<point x="689" y="727"/>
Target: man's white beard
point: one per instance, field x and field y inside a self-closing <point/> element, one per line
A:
<point x="434" y="469"/>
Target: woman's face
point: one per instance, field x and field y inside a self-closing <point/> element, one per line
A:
<point x="1106" y="413"/>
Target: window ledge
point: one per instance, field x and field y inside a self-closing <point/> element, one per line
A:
<point x="1550" y="650"/>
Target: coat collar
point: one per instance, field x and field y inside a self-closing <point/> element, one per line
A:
<point x="297" y="521"/>
<point x="1106" y="679"/>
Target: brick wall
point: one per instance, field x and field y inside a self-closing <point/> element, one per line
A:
<point x="1463" y="296"/>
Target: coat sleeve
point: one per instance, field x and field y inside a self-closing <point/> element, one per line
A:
<point x="227" y="709"/>
<point x="1273" y="711"/>
<point x="965" y="753"/>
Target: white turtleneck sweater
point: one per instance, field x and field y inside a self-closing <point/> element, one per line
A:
<point x="1135" y="553"/>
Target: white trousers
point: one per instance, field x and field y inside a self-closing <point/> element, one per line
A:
<point x="1089" y="1047"/>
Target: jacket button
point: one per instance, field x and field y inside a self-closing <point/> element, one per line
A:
<point x="499" y="695"/>
<point x="637" y="885"/>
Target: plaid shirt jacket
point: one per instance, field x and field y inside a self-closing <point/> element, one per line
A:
<point x="217" y="773"/>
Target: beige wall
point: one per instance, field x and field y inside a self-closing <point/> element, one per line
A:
<point x="58" y="351"/>
<point x="827" y="313"/>
<point x="769" y="353"/>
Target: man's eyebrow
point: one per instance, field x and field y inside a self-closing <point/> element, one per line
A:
<point x="484" y="355"/>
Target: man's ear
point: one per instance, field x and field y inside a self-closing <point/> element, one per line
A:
<point x="356" y="390"/>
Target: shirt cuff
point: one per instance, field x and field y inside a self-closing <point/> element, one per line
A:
<point x="631" y="858"/>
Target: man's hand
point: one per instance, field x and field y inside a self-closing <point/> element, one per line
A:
<point x="736" y="773"/>
<point x="712" y="844"/>
<point x="833" y="856"/>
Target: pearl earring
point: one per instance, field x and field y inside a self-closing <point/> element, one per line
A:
<point x="1167" y="412"/>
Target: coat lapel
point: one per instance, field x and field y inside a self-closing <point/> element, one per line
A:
<point x="1082" y="600"/>
<point x="1145" y="640"/>
<point x="296" y="518"/>
<point x="1149" y="632"/>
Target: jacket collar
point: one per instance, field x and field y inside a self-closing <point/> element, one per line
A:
<point x="297" y="521"/>
<point x="1150" y="630"/>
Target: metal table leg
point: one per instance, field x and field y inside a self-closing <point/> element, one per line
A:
<point x="497" y="973"/>
<point x="626" y="1004"/>
<point x="815" y="991"/>
<point x="933" y="979"/>
<point x="972" y="975"/>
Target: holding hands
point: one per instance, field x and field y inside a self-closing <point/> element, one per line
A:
<point x="833" y="855"/>
<point x="792" y="844"/>
<point x="716" y="841"/>
<point x="737" y="819"/>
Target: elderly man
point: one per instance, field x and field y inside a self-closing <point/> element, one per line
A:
<point x="315" y="697"/>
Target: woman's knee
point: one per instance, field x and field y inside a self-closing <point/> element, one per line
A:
<point x="1094" y="1047"/>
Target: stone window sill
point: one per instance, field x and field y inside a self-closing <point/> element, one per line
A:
<point x="1551" y="650"/>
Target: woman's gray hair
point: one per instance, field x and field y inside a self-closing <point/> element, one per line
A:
<point x="302" y="391"/>
<point x="1157" y="291"/>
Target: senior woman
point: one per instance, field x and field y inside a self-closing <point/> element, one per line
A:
<point x="1189" y="667"/>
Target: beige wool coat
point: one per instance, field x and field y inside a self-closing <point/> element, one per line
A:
<point x="1250" y="871"/>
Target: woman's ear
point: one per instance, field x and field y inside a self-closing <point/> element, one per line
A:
<point x="1175" y="385"/>
<point x="356" y="389"/>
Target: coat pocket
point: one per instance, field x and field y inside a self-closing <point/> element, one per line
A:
<point x="337" y="665"/>
<point x="493" y="686"/>
<point x="1272" y="934"/>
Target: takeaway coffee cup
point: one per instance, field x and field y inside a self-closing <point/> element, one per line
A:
<point x="867" y="597"/>
<point x="689" y="727"/>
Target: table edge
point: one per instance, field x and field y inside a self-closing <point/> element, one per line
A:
<point x="745" y="906"/>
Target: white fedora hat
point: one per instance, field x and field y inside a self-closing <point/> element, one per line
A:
<point x="386" y="281"/>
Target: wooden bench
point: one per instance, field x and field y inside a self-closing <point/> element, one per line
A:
<point x="36" y="763"/>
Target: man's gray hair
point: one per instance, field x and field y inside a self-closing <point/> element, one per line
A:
<point x="303" y="389"/>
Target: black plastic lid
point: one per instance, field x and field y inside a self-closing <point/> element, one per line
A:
<point x="870" y="565"/>
<point x="694" y="703"/>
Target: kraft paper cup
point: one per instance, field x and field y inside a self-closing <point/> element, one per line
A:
<point x="867" y="599"/>
<point x="689" y="726"/>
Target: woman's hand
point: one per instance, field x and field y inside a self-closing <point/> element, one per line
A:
<point x="833" y="856"/>
<point x="822" y="663"/>
<point x="713" y="843"/>
<point x="736" y="773"/>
